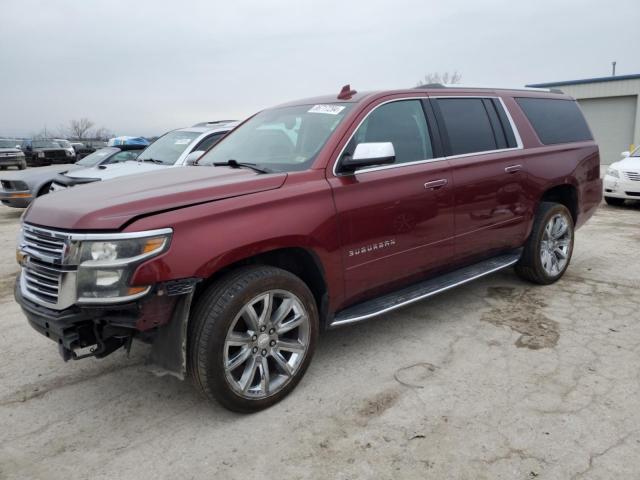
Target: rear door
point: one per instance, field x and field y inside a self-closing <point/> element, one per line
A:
<point x="485" y="154"/>
<point x="395" y="220"/>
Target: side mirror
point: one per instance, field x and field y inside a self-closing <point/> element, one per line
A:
<point x="625" y="154"/>
<point x="368" y="155"/>
<point x="193" y="157"/>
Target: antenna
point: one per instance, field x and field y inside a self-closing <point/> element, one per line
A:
<point x="346" y="93"/>
<point x="613" y="68"/>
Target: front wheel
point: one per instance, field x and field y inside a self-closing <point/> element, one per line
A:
<point x="548" y="250"/>
<point x="251" y="337"/>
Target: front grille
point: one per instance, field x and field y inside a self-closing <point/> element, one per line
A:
<point x="42" y="280"/>
<point x="55" y="154"/>
<point x="43" y="277"/>
<point x="44" y="244"/>
<point x="634" y="176"/>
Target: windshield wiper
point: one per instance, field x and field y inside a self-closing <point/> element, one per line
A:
<point x="152" y="160"/>
<point x="235" y="164"/>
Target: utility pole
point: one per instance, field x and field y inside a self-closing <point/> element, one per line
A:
<point x="613" y="65"/>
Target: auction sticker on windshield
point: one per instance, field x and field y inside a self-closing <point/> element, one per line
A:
<point x="330" y="109"/>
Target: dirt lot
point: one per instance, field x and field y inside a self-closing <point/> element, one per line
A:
<point x="496" y="380"/>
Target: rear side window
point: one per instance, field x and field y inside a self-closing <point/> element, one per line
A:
<point x="403" y="124"/>
<point x="555" y="121"/>
<point x="468" y="125"/>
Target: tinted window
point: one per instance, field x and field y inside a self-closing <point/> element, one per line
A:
<point x="403" y="124"/>
<point x="467" y="124"/>
<point x="555" y="121"/>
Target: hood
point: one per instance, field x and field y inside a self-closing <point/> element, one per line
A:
<point x="109" y="205"/>
<point x="628" y="163"/>
<point x="49" y="149"/>
<point x="106" y="172"/>
<point x="10" y="150"/>
<point x="36" y="172"/>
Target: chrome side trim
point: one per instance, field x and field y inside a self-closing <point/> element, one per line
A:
<point x="351" y="320"/>
<point x="516" y="133"/>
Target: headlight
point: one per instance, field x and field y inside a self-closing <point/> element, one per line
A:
<point x="105" y="266"/>
<point x="69" y="153"/>
<point x="613" y="172"/>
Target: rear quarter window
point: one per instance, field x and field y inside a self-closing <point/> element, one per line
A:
<point x="555" y="120"/>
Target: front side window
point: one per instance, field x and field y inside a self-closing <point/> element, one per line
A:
<point x="467" y="124"/>
<point x="168" y="148"/>
<point x="282" y="139"/>
<point x="403" y="124"/>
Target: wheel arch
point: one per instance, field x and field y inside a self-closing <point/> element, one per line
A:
<point x="565" y="194"/>
<point x="303" y="262"/>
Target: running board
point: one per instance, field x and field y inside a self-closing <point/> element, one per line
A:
<point x="424" y="289"/>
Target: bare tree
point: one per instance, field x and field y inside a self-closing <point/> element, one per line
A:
<point x="103" y="134"/>
<point x="445" y="78"/>
<point x="79" y="129"/>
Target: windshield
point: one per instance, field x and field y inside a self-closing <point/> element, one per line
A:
<point x="97" y="157"/>
<point x="45" y="144"/>
<point x="283" y="139"/>
<point x="64" y="143"/>
<point x="168" y="148"/>
<point x="9" y="143"/>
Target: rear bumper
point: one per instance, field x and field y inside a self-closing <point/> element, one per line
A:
<point x="16" y="199"/>
<point x="621" y="188"/>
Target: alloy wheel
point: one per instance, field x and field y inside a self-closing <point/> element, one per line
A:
<point x="555" y="246"/>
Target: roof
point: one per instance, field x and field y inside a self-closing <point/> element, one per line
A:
<point x="429" y="89"/>
<point x="582" y="81"/>
<point x="213" y="128"/>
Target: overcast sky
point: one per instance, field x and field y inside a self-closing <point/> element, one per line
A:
<point x="159" y="65"/>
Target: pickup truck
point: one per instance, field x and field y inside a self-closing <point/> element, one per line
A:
<point x="309" y="216"/>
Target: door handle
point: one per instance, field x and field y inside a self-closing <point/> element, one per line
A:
<point x="513" y="168"/>
<point x="435" y="184"/>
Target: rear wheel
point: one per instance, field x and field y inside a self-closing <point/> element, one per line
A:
<point x="548" y="250"/>
<point x="613" y="201"/>
<point x="251" y="337"/>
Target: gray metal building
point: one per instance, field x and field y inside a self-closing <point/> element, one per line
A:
<point x="612" y="108"/>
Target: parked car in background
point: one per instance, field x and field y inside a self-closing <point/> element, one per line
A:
<point x="40" y="152"/>
<point x="622" y="180"/>
<point x="66" y="144"/>
<point x="11" y="154"/>
<point x="82" y="150"/>
<point x="176" y="148"/>
<point x="18" y="189"/>
<point x="312" y="215"/>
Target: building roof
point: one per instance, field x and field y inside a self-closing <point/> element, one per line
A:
<point x="585" y="80"/>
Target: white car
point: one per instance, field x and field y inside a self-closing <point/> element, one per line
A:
<point x="176" y="148"/>
<point x="622" y="180"/>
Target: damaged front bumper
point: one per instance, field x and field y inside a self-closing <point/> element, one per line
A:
<point x="96" y="331"/>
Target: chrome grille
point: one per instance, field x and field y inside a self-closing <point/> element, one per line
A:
<point x="43" y="276"/>
<point x="635" y="176"/>
<point x="42" y="281"/>
<point x="44" y="244"/>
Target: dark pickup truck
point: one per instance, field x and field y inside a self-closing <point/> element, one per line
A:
<point x="309" y="216"/>
<point x="46" y="152"/>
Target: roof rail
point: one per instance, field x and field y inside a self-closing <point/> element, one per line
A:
<point x="525" y="89"/>
<point x="431" y="85"/>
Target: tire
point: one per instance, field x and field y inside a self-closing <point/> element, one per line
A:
<point x="22" y="165"/>
<point x="226" y="327"/>
<point x="614" y="202"/>
<point x="537" y="263"/>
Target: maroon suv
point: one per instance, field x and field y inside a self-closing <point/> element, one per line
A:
<point x="311" y="215"/>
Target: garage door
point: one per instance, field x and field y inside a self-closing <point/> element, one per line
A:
<point x="612" y="120"/>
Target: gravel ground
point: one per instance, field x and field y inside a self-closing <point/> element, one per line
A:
<point x="498" y="379"/>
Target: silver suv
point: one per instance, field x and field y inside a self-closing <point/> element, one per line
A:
<point x="176" y="148"/>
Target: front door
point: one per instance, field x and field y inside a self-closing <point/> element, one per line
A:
<point x="395" y="221"/>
